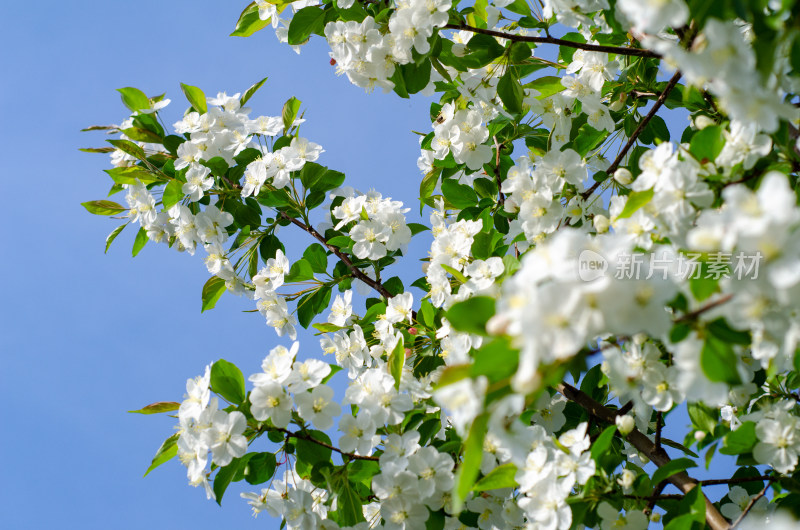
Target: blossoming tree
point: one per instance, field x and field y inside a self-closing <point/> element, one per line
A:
<point x="587" y="273"/>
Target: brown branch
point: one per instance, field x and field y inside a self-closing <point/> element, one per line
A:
<point x="308" y="437"/>
<point x="751" y="504"/>
<point x="708" y="307"/>
<point x="619" y="50"/>
<point x="643" y="444"/>
<point x="501" y="198"/>
<point x="737" y="480"/>
<point x="656" y="497"/>
<point x="358" y="273"/>
<point x="659" y="426"/>
<point x="632" y="139"/>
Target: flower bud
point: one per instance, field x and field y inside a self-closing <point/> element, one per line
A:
<point x="700" y="122"/>
<point x="626" y="478"/>
<point x="623" y="176"/>
<point x="625" y="424"/>
<point x="655" y="517"/>
<point x="616" y="106"/>
<point x="699" y="435"/>
<point x="644" y="459"/>
<point x="412" y="331"/>
<point x="601" y="224"/>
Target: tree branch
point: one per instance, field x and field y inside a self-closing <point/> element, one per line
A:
<point x="501" y="198"/>
<point x="358" y="273"/>
<point x="708" y="307"/>
<point x="308" y="437"/>
<point x="737" y="480"/>
<point x="642" y="443"/>
<point x="751" y="504"/>
<point x="619" y="50"/>
<point x="642" y="124"/>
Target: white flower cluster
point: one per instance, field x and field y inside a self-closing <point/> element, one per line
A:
<point x="722" y="61"/>
<point x="765" y="224"/>
<point x="369" y="57"/>
<point x="533" y="193"/>
<point x="380" y="224"/>
<point x="276" y="167"/>
<point x="451" y="246"/>
<point x="268" y="302"/>
<point x="411" y="478"/>
<point x="462" y="133"/>
<point x="294" y="499"/>
<point x="551" y="312"/>
<point x="203" y="428"/>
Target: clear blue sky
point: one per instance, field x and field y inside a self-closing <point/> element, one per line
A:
<point x="86" y="336"/>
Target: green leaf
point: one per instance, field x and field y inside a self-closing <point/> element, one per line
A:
<point x="142" y="135"/>
<point x="603" y="442"/>
<point x="313" y="304"/>
<point x="348" y="505"/>
<point x="457" y="275"/>
<point x="459" y="195"/>
<point x="301" y="271"/>
<point x="636" y="200"/>
<point x="167" y="450"/>
<point x="720" y="329"/>
<point x="499" y="478"/>
<point x="312" y="453"/>
<point x="670" y="468"/>
<point x="268" y="248"/>
<point x="113" y="235"/>
<point x="132" y="175"/>
<point x="103" y="207"/>
<point x="718" y="361"/>
<point x="396" y="360"/>
<point x="227" y="381"/>
<point x="316" y="256"/>
<point x="126" y="146"/>
<point x="740" y="441"/>
<point x="311" y="174"/>
<point x="471" y="463"/>
<point x="251" y="91"/>
<point x="134" y="99"/>
<point x="173" y="194"/>
<point x="212" y="290"/>
<point x="157" y="408"/>
<point x="510" y="91"/>
<point x="471" y="315"/>
<point x="495" y="359"/>
<point x="703" y="417"/>
<point x="139" y="242"/>
<point x="308" y="20"/>
<point x="259" y="468"/>
<point x="196" y="97"/>
<point x="249" y="22"/>
<point x="223" y="478"/>
<point x="546" y="85"/>
<point x="707" y="143"/>
<point x="289" y="113"/>
<point x="428" y="184"/>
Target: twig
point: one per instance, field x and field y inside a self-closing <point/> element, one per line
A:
<point x="619" y="50"/>
<point x="642" y="443"/>
<point x="737" y="480"/>
<point x="751" y="504"/>
<point x="699" y="311"/>
<point x="632" y="139"/>
<point x="501" y="198"/>
<point x="339" y="254"/>
<point x="303" y="436"/>
<point x="659" y="425"/>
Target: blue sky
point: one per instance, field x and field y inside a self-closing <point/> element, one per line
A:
<point x="86" y="336"/>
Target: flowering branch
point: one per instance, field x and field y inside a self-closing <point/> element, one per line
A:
<point x="632" y="139"/>
<point x="657" y="455"/>
<point x="751" y="503"/>
<point x="339" y="254"/>
<point x="619" y="50"/>
<point x="307" y="437"/>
